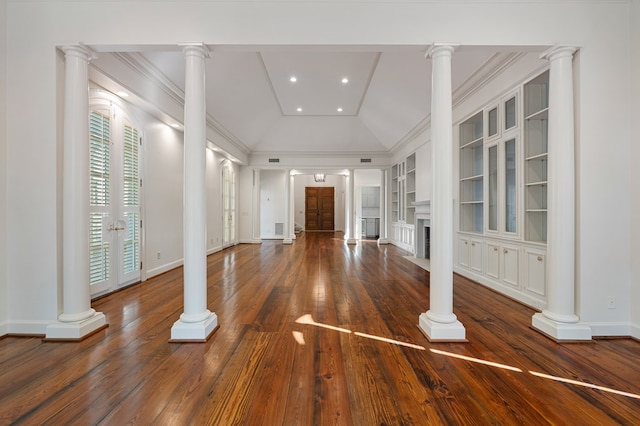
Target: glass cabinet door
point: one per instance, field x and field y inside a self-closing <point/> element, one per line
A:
<point x="510" y="202"/>
<point x="493" y="188"/>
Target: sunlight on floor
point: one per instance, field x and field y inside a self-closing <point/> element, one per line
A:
<point x="308" y="320"/>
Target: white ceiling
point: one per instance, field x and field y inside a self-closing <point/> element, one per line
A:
<point x="250" y="95"/>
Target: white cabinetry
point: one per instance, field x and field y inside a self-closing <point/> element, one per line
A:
<point x="502" y="193"/>
<point x="403" y="195"/>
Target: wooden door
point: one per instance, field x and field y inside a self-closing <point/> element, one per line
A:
<point x="319" y="209"/>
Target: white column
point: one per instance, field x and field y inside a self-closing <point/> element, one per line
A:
<point x="292" y="208"/>
<point x="559" y="320"/>
<point x="255" y="211"/>
<point x="351" y="236"/>
<point x="382" y="239"/>
<point x="196" y="323"/>
<point x="287" y="213"/>
<point x="77" y="319"/>
<point x="439" y="323"/>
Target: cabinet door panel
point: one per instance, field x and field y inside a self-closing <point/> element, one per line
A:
<point x="463" y="252"/>
<point x="475" y="255"/>
<point x="493" y="261"/>
<point x="510" y="266"/>
<point x="536" y="272"/>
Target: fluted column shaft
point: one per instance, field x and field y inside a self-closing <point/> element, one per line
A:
<point x="196" y="322"/>
<point x="440" y="322"/>
<point x="77" y="319"/>
<point x="351" y="238"/>
<point x="559" y="319"/>
<point x="382" y="239"/>
<point x="287" y="214"/>
<point x="76" y="293"/>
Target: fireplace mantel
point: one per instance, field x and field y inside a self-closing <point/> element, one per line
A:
<point x="422" y="207"/>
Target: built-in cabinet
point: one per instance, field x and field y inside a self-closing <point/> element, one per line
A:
<point x="502" y="184"/>
<point x="403" y="195"/>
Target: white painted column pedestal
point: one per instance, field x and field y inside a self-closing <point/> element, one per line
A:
<point x="439" y="323"/>
<point x="77" y="319"/>
<point x="383" y="239"/>
<point x="196" y="323"/>
<point x="559" y="320"/>
<point x="287" y="213"/>
<point x="351" y="236"/>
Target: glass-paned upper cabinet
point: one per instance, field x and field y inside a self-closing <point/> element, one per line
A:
<point x="492" y="122"/>
<point x="510" y="113"/>
<point x="471" y="174"/>
<point x="536" y="114"/>
<point x="493" y="188"/>
<point x="510" y="188"/>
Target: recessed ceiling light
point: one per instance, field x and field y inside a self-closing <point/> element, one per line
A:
<point x="299" y="109"/>
<point x="175" y="125"/>
<point x="293" y="79"/>
<point x="122" y="94"/>
<point x="339" y="109"/>
<point x="345" y="80"/>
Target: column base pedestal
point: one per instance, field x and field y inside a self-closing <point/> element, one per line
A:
<point x="559" y="331"/>
<point x="352" y="241"/>
<point x="77" y="330"/>
<point x="442" y="332"/>
<point x="287" y="241"/>
<point x="383" y="241"/>
<point x="196" y="332"/>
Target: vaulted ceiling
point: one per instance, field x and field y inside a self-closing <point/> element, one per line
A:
<point x="252" y="99"/>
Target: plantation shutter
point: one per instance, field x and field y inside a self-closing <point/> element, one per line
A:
<point x="99" y="161"/>
<point x="131" y="199"/>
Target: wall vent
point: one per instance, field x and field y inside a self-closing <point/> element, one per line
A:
<point x="365" y="160"/>
<point x="274" y="160"/>
<point x="279" y="228"/>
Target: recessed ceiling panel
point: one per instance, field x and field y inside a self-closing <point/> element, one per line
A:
<point x="319" y="88"/>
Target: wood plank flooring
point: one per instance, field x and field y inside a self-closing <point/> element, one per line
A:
<point x="263" y="368"/>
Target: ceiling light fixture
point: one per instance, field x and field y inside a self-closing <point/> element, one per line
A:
<point x="299" y="109"/>
<point x="293" y="79"/>
<point x="345" y="80"/>
<point x="318" y="177"/>
<point x="122" y="94"/>
<point x="339" y="109"/>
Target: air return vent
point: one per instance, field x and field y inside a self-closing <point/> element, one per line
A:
<point x="365" y="160"/>
<point x="279" y="228"/>
<point x="274" y="160"/>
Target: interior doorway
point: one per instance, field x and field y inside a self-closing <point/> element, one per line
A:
<point x="319" y="208"/>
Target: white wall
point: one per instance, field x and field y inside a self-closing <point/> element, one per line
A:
<point x="336" y="181"/>
<point x="3" y="172"/>
<point x="272" y="202"/>
<point x="635" y="170"/>
<point x="601" y="28"/>
<point x="245" y="205"/>
<point x="163" y="169"/>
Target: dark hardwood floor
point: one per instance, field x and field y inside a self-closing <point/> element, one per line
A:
<point x="263" y="368"/>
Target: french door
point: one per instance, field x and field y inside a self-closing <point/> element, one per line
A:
<point x="228" y="205"/>
<point x="114" y="211"/>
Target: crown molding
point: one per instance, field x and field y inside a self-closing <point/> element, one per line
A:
<point x="491" y="69"/>
<point x="138" y="63"/>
